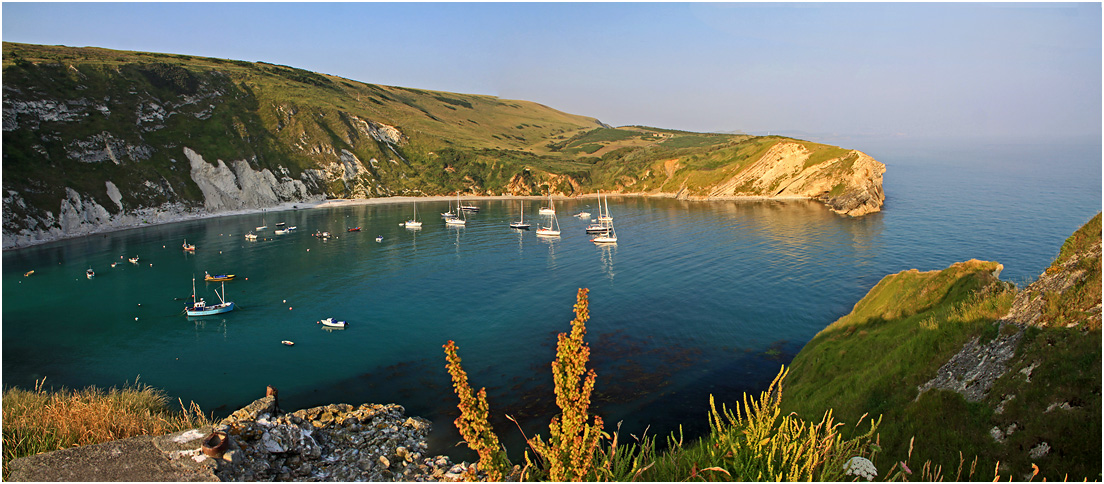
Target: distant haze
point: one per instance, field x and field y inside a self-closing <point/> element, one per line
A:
<point x="835" y="70"/>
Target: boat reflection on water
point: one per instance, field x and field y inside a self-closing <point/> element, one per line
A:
<point x="607" y="251"/>
<point x="208" y="324"/>
<point x="551" y="242"/>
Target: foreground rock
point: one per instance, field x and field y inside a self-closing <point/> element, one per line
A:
<point x="337" y="442"/>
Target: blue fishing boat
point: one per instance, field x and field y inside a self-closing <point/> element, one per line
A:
<point x="201" y="308"/>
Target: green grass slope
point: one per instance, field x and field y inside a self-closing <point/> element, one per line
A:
<point x="1044" y="410"/>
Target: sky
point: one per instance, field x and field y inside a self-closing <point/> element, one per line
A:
<point x="828" y="69"/>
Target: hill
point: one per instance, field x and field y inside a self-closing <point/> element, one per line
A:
<point x="958" y="361"/>
<point x="97" y="138"/>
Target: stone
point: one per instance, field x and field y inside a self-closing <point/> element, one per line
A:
<point x="1039" y="451"/>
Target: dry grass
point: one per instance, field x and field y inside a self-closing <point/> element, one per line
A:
<point x="42" y="420"/>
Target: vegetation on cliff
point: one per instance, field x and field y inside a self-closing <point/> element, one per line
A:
<point x="1029" y="395"/>
<point x="78" y="118"/>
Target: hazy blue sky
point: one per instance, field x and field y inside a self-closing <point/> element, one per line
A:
<point x="917" y="69"/>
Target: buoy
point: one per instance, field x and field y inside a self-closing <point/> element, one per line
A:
<point x="136" y="318"/>
<point x="289" y="308"/>
<point x="308" y="250"/>
<point x="285" y="300"/>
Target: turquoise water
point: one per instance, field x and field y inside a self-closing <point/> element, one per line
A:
<point x="697" y="298"/>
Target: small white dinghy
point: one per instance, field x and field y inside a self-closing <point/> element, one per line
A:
<point x="330" y="323"/>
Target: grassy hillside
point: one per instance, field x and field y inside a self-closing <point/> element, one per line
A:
<point x="1045" y="409"/>
<point x="78" y="117"/>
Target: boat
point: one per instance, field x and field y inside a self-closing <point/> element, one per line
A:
<point x="456" y="220"/>
<point x="217" y="278"/>
<point x="251" y="236"/>
<point x="293" y="227"/>
<point x="450" y="214"/>
<point x="188" y="247"/>
<point x="354" y="229"/>
<point x="553" y="228"/>
<point x="414" y="223"/>
<point x="280" y="224"/>
<point x="520" y="224"/>
<point x="330" y="323"/>
<point x="280" y="231"/>
<point x="288" y="343"/>
<point x="263" y="225"/>
<point x="134" y="260"/>
<point x="550" y="209"/>
<point x="201" y="308"/>
<point x="609" y="236"/>
<point x="379" y="238"/>
<point x="606" y="238"/>
<point x="597" y="228"/>
<point x="604" y="222"/>
<point x="320" y="234"/>
<point x="467" y="208"/>
<point x="583" y="215"/>
<point x="28" y="273"/>
<point x="89" y="273"/>
<point x="603" y="217"/>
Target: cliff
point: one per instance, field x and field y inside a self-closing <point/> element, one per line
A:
<point x="964" y="362"/>
<point x="97" y="139"/>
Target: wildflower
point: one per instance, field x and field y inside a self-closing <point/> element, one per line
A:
<point x="905" y="467"/>
<point x="861" y="467"/>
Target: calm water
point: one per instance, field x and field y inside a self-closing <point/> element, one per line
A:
<point x="698" y="298"/>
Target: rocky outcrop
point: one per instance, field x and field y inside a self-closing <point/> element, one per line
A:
<point x="81" y="215"/>
<point x="334" y="443"/>
<point x="1061" y="277"/>
<point x="973" y="370"/>
<point x="850" y="184"/>
<point x="225" y="188"/>
<point x="338" y="442"/>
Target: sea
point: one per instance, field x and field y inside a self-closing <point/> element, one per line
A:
<point x="697" y="298"/>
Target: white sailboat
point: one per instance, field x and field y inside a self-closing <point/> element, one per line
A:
<point x="521" y="224"/>
<point x="458" y="220"/>
<point x="609" y="236"/>
<point x="550" y="209"/>
<point x="603" y="217"/>
<point x="602" y="225"/>
<point x="553" y="228"/>
<point x="414" y="223"/>
<point x="263" y="225"/>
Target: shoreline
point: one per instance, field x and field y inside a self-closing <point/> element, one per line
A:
<point x="24" y="241"/>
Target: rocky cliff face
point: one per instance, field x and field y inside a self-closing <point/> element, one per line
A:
<point x="849" y="185"/>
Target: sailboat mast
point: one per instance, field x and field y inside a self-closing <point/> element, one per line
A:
<point x="193" y="290"/>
